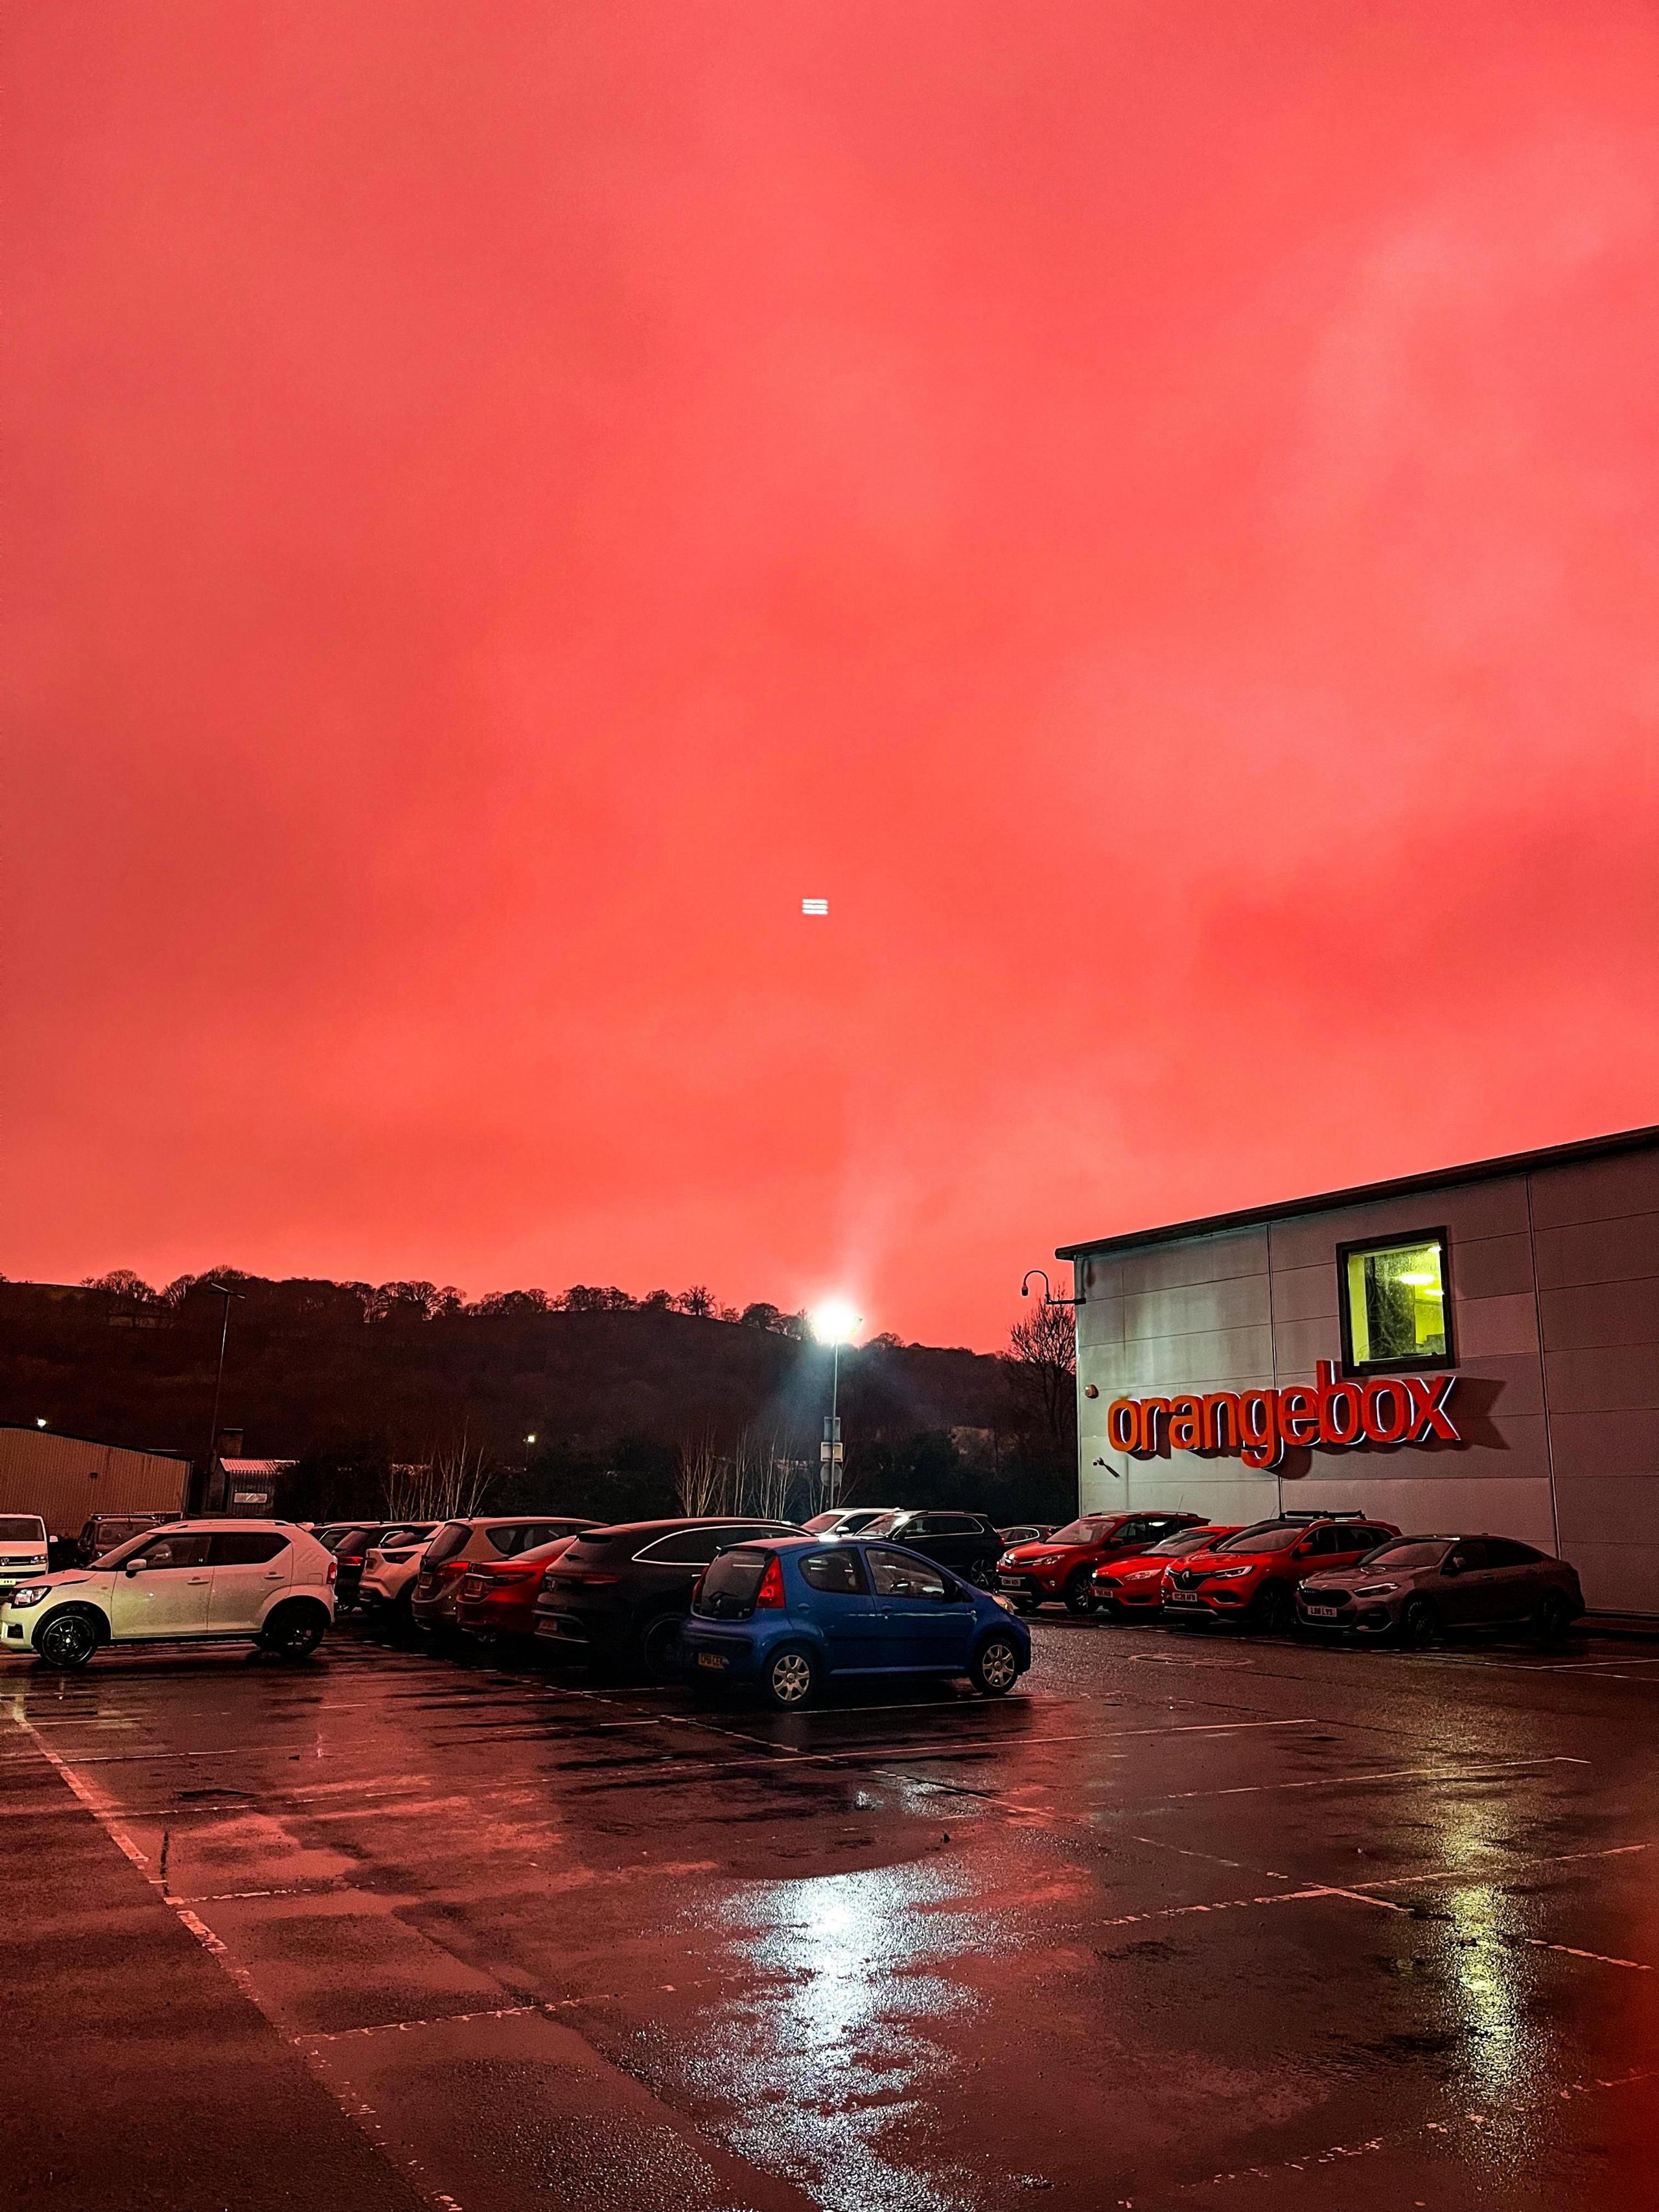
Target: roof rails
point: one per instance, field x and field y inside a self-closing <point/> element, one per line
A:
<point x="1346" y="1513"/>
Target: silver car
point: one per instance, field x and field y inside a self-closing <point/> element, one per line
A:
<point x="1413" y="1587"/>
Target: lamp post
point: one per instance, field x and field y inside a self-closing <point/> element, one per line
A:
<point x="226" y="1292"/>
<point x="834" y="1323"/>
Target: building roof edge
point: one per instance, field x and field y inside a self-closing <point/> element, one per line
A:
<point x="1245" y="1216"/>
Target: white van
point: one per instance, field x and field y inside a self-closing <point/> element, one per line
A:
<point x="188" y="1582"/>
<point x="23" y="1548"/>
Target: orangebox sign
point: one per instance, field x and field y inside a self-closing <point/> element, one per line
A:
<point x="1257" y="1426"/>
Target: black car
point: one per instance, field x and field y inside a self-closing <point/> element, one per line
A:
<point x="353" y="1544"/>
<point x="618" y="1595"/>
<point x="967" y="1543"/>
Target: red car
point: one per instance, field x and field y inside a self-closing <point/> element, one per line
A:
<point x="1061" y="1568"/>
<point x="1134" y="1583"/>
<point x="498" y="1596"/>
<point x="1253" y="1575"/>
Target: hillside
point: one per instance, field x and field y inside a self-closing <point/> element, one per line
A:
<point x="351" y="1382"/>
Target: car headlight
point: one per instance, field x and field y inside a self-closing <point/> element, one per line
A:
<point x="1006" y="1603"/>
<point x="1378" y="1590"/>
<point x="1226" y="1574"/>
<point x="30" y="1593"/>
<point x="1046" y="1559"/>
<point x="1142" y="1575"/>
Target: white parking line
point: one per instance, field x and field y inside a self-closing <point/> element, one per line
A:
<point x="1483" y="1772"/>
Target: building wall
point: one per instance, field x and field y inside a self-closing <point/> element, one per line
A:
<point x="66" y="1480"/>
<point x="1554" y="1283"/>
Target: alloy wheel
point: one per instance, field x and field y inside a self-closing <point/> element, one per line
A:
<point x="791" y="1678"/>
<point x="998" y="1665"/>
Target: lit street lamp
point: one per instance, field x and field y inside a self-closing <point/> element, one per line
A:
<point x="834" y="1323"/>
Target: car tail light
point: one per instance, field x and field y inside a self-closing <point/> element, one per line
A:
<point x="448" y="1569"/>
<point x="769" y="1596"/>
<point x="579" y="1575"/>
<point x="333" y="1570"/>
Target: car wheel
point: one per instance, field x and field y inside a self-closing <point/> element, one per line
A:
<point x="980" y="1574"/>
<point x="1079" y="1597"/>
<point x="68" y="1639"/>
<point x="790" y="1679"/>
<point x="995" y="1667"/>
<point x="659" y="1649"/>
<point x="1417" y="1622"/>
<point x="1274" y="1610"/>
<point x="294" y="1632"/>
<point x="1554" y="1618"/>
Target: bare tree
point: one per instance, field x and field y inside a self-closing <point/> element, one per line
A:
<point x="1044" y="1344"/>
<point x="765" y="1474"/>
<point x="703" y="1480"/>
<point x="449" y="1486"/>
<point x="122" y="1283"/>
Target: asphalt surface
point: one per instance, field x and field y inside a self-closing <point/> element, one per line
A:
<point x="1191" y="1920"/>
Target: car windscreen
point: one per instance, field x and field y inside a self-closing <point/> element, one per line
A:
<point x="116" y="1552"/>
<point x="730" y="1582"/>
<point x="1087" y="1531"/>
<point x="391" y="1537"/>
<point x="1412" y="1552"/>
<point x="1266" y="1536"/>
<point x="884" y="1524"/>
<point x="21" y="1529"/>
<point x="1186" y="1540"/>
<point x="449" y="1540"/>
<point x="820" y="1521"/>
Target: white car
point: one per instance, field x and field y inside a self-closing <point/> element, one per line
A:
<point x="389" y="1572"/>
<point x="23" y="1548"/>
<point x="190" y="1582"/>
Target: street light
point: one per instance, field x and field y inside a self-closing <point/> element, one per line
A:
<point x="225" y="1292"/>
<point x="834" y="1323"/>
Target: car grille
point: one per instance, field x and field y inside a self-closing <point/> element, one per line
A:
<point x="1185" y="1577"/>
<point x="1325" y="1596"/>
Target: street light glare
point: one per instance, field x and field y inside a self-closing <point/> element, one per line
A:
<point x="835" y="1321"/>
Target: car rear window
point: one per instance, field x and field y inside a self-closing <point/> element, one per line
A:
<point x="1087" y="1531"/>
<point x="517" y="1536"/>
<point x="449" y="1540"/>
<point x="21" y="1529"/>
<point x="730" y="1584"/>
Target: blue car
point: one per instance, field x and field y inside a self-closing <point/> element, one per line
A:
<point x="790" y="1612"/>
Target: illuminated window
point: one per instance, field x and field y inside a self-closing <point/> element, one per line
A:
<point x="1395" y="1303"/>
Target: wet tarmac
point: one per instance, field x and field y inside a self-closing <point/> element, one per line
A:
<point x="1190" y="1920"/>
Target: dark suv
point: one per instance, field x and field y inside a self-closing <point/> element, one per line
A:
<point x="618" y="1595"/>
<point x="967" y="1543"/>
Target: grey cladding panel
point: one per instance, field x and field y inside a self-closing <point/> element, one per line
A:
<point x="1193" y="1261"/>
<point x="1484" y="1326"/>
<point x="1493" y="1267"/>
<point x="1604" y="1507"/>
<point x="1607" y="1379"/>
<point x="1305" y="1293"/>
<point x="1466" y="1211"/>
<point x="1602" y="1444"/>
<point x="1595" y="1190"/>
<point x="1598" y="1313"/>
<point x="1599" y="1251"/>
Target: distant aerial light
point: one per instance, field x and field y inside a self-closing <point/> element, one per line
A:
<point x="40" y="1421"/>
<point x="531" y="1439"/>
<point x="815" y="906"/>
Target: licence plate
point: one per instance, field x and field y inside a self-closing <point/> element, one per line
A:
<point x="1012" y="1581"/>
<point x="711" y="1659"/>
<point x="1183" y="1597"/>
<point x="1320" y="1612"/>
<point x="547" y="1628"/>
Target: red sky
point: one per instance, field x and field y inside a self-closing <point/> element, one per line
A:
<point x="1150" y="507"/>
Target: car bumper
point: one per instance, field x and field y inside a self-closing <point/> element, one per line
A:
<point x="1034" y="1589"/>
<point x="487" y="1616"/>
<point x="1145" y="1599"/>
<point x="1366" y="1617"/>
<point x="716" y="1654"/>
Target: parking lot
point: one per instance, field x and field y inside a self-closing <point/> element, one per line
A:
<point x="1190" y="1919"/>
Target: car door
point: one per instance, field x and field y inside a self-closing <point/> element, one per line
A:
<point x="166" y="1592"/>
<point x="1518" y="1579"/>
<point x="922" y="1619"/>
<point x="835" y="1599"/>
<point x="1470" y="1587"/>
<point x="246" y="1567"/>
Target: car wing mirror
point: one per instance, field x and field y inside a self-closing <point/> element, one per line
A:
<point x="132" y="1567"/>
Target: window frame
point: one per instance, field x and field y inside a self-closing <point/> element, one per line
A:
<point x="1439" y="1362"/>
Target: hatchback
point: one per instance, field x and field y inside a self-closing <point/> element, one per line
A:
<point x="355" y="1547"/>
<point x="497" y="1597"/>
<point x="1134" y="1581"/>
<point x="190" y="1582"/>
<point x="457" y="1544"/>
<point x="963" y="1544"/>
<point x="790" y="1614"/>
<point x="1416" y="1585"/>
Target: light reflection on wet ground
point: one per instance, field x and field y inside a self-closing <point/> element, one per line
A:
<point x="1191" y="1919"/>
